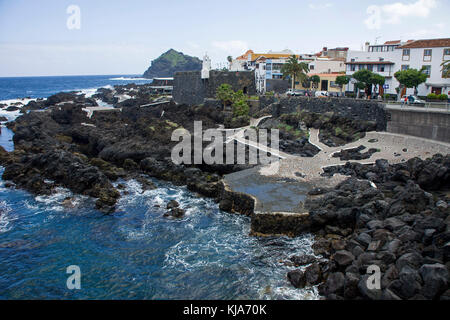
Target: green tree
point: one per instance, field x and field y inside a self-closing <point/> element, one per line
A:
<point x="446" y="69"/>
<point x="295" y="70"/>
<point x="315" y="79"/>
<point x="359" y="86"/>
<point x="410" y="78"/>
<point x="225" y="94"/>
<point x="363" y="76"/>
<point x="342" y="81"/>
<point x="377" y="80"/>
<point x="229" y="59"/>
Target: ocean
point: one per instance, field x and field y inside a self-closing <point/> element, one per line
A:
<point x="135" y="253"/>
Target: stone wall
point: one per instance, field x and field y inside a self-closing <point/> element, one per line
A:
<point x="427" y="124"/>
<point x="347" y="108"/>
<point x="242" y="80"/>
<point x="190" y="89"/>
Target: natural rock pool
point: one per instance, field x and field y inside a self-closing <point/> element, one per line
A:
<point x="273" y="194"/>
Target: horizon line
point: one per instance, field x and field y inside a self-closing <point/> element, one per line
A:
<point x="75" y="75"/>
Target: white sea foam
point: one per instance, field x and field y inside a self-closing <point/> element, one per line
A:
<point x="128" y="79"/>
<point x="5" y="218"/>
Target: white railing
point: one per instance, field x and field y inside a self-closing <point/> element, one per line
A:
<point x="444" y="106"/>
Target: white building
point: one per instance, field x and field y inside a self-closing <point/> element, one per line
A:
<point x="327" y="65"/>
<point x="267" y="66"/>
<point x="393" y="56"/>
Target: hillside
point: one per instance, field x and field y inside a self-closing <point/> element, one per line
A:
<point x="170" y="62"/>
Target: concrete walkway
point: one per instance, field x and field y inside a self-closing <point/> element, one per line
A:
<point x="393" y="147"/>
<point x="90" y="110"/>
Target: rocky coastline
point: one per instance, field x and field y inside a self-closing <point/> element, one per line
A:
<point x="394" y="220"/>
<point x="394" y="216"/>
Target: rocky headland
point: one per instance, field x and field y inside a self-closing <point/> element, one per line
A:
<point x="170" y="62"/>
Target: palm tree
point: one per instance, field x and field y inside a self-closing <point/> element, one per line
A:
<point x="295" y="70"/>
<point x="446" y="69"/>
<point x="230" y="60"/>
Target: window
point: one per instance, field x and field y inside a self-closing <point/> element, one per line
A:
<point x="427" y="55"/>
<point x="311" y="67"/>
<point x="381" y="68"/>
<point x="269" y="66"/>
<point x="370" y="67"/>
<point x="381" y="59"/>
<point x="405" y="56"/>
<point x="447" y="52"/>
<point x="405" y="67"/>
<point x="334" y="84"/>
<point x="352" y="67"/>
<point x="353" y="60"/>
<point x="427" y="70"/>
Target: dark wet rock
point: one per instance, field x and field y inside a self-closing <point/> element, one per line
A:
<point x="172" y="204"/>
<point x="303" y="260"/>
<point x="313" y="274"/>
<point x="343" y="258"/>
<point x="355" y="153"/>
<point x="364" y="239"/>
<point x="435" y="278"/>
<point x="175" y="213"/>
<point x="409" y="282"/>
<point x="368" y="292"/>
<point x="351" y="285"/>
<point x="398" y="226"/>
<point x="412" y="259"/>
<point x="335" y="284"/>
<point x="297" y="278"/>
<point x="317" y="191"/>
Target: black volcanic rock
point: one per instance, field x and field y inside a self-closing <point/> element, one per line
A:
<point x="170" y="62"/>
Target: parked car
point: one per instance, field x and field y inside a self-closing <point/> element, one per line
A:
<point x="295" y="92"/>
<point x="413" y="100"/>
<point x="321" y="94"/>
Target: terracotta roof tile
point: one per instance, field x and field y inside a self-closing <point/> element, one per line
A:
<point x="427" y="43"/>
<point x="370" y="62"/>
<point x="392" y="42"/>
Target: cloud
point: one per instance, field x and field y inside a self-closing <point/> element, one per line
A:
<point x="320" y="6"/>
<point x="232" y="46"/>
<point x="393" y="13"/>
<point x="438" y="30"/>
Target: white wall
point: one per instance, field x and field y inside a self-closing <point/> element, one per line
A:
<point x="327" y="66"/>
<point x="416" y="61"/>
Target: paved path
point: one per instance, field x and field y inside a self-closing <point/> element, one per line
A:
<point x="419" y="109"/>
<point x="239" y="136"/>
<point x="90" y="110"/>
<point x="395" y="148"/>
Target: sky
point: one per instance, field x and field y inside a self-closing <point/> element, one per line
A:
<point x="95" y="37"/>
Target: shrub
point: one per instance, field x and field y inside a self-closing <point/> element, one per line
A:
<point x="432" y="96"/>
<point x="225" y="94"/>
<point x="443" y="97"/>
<point x="240" y="108"/>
